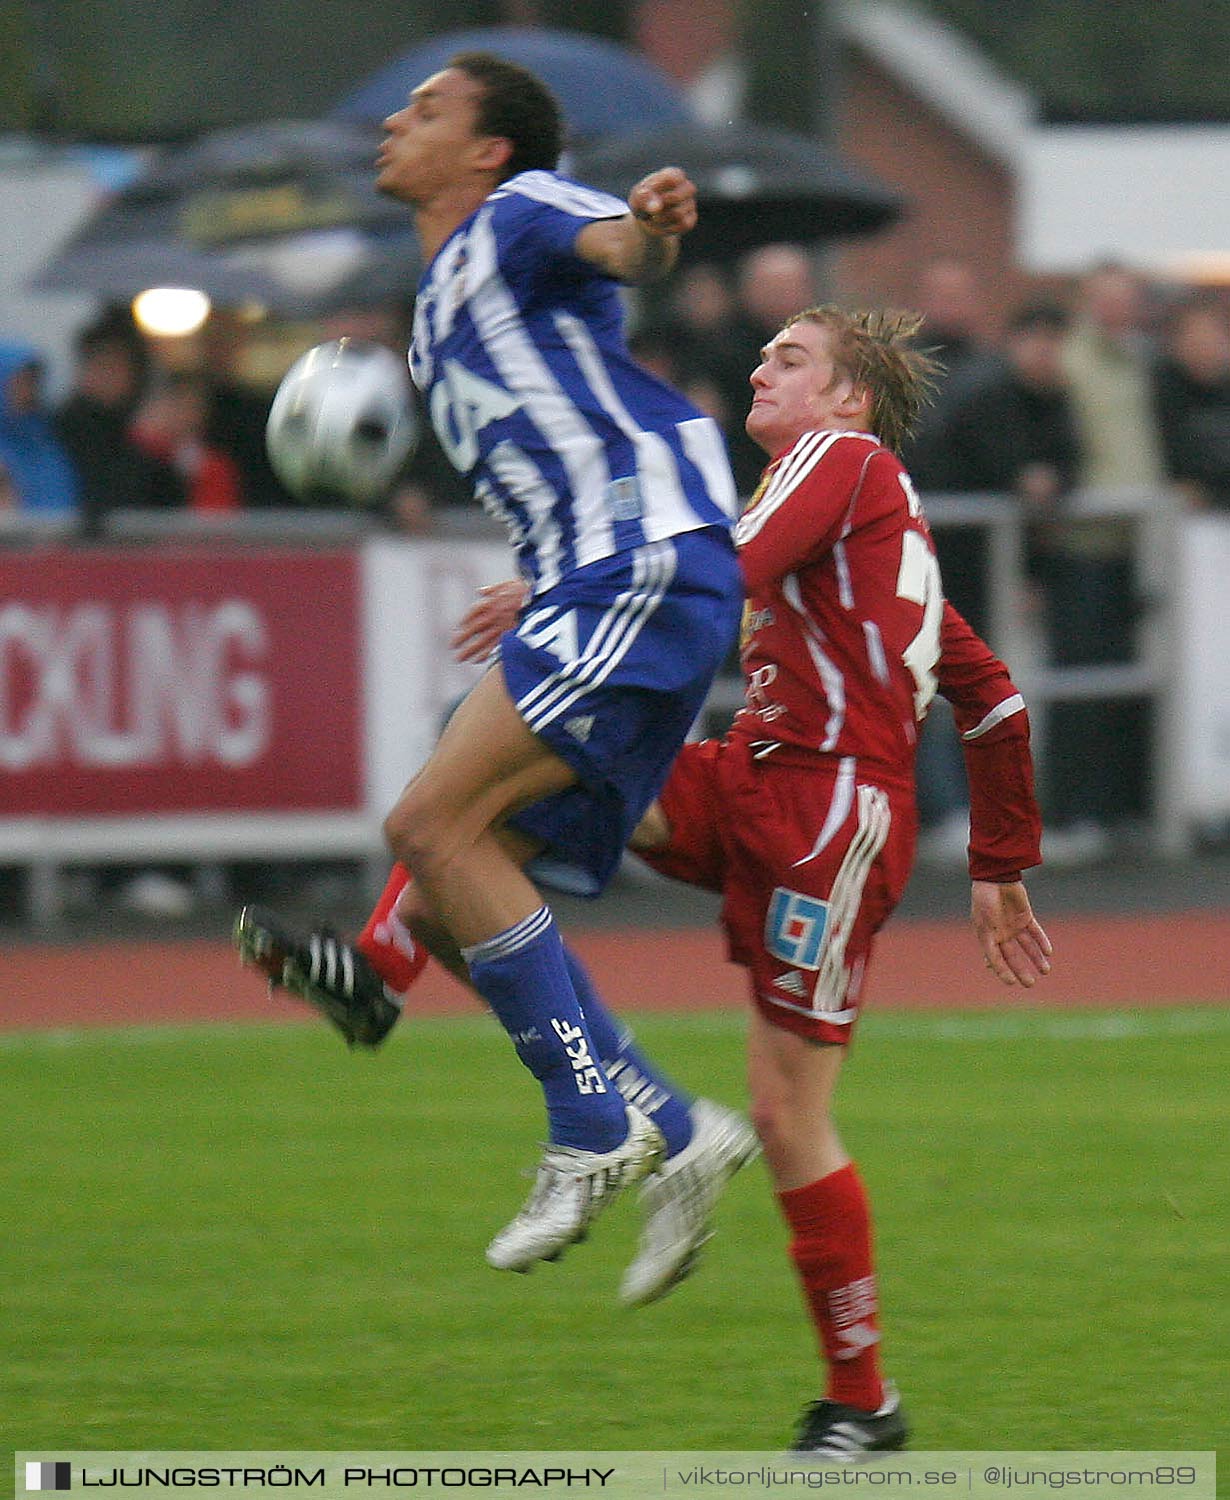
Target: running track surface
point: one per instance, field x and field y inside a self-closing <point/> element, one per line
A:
<point x="1099" y="962"/>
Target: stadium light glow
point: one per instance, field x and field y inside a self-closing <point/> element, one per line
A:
<point x="1200" y="268"/>
<point x="170" y="311"/>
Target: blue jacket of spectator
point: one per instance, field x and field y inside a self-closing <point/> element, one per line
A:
<point x="30" y="452"/>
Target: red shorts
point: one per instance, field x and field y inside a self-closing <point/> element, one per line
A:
<point x="810" y="860"/>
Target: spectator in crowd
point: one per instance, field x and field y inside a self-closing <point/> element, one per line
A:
<point x="950" y="299"/>
<point x="1014" y="430"/>
<point x="170" y="427"/>
<point x="955" y="319"/>
<point x="1192" y="394"/>
<point x="39" y="471"/>
<point x="703" y="300"/>
<point x="238" y="411"/>
<point x="772" y="283"/>
<point x="109" y="372"/>
<point x="1009" y="431"/>
<point x="1098" y="748"/>
<point x="1108" y="356"/>
<point x="8" y="493"/>
<point x="655" y="349"/>
<point x="699" y="310"/>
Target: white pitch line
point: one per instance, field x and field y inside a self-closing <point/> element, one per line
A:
<point x="956" y="1026"/>
<point x="1094" y="1026"/>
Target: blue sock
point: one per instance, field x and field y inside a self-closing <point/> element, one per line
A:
<point x="628" y="1068"/>
<point x="522" y="975"/>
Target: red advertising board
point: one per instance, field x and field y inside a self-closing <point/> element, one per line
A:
<point x="209" y="679"/>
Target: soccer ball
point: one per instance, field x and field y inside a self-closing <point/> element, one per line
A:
<point x="343" y="422"/>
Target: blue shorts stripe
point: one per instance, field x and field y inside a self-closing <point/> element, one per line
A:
<point x="618" y="631"/>
<point x="620" y="617"/>
<point x="609" y="643"/>
<point x="593" y="670"/>
<point x="610" y="668"/>
<point x="571" y="672"/>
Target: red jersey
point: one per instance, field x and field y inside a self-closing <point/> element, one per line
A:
<point x="842" y="629"/>
<point x="847" y="637"/>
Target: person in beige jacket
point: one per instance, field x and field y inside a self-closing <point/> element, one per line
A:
<point x="1098" y="748"/>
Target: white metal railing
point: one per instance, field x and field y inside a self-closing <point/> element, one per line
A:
<point x="1013" y="635"/>
<point x="44" y="846"/>
<point x="290" y="525"/>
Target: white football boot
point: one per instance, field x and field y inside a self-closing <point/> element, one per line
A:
<point x="678" y="1201"/>
<point x="571" y="1189"/>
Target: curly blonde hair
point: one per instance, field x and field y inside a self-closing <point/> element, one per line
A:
<point x="873" y="349"/>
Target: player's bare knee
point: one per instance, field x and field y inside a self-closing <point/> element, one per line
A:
<point x="408" y="843"/>
<point x="414" y="832"/>
<point x="771" y="1121"/>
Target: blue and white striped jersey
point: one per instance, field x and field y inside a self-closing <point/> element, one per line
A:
<point x="519" y="351"/>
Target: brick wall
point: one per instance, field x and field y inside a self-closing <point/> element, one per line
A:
<point x="960" y="196"/>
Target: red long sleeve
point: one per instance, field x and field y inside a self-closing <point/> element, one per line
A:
<point x="1005" y="823"/>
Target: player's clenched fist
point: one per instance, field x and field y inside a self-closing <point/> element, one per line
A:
<point x="664" y="203"/>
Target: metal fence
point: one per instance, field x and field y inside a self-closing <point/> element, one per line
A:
<point x="44" y="847"/>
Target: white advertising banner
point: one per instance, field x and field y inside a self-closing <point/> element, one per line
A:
<point x="414" y="594"/>
<point x="1203" y="652"/>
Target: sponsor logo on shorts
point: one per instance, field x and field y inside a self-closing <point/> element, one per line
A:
<point x="580" y="727"/>
<point x="551" y="629"/>
<point x="794" y="928"/>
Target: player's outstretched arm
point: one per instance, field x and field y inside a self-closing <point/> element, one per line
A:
<point x="1014" y="946"/>
<point x="494" y="611"/>
<point x="644" y="244"/>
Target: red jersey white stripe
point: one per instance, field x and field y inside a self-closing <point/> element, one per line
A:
<point x="847" y="636"/>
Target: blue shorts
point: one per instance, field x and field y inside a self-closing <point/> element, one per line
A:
<point x="611" y="668"/>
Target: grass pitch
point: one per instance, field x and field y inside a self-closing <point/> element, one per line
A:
<point x="242" y="1238"/>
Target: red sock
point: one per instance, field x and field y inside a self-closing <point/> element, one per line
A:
<point x="386" y="944"/>
<point x="831" y="1249"/>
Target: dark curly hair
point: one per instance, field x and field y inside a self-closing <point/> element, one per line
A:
<point x="519" y="107"/>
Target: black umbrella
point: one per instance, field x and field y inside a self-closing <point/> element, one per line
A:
<point x="755" y="185"/>
<point x="284" y="214"/>
<point x="603" y="89"/>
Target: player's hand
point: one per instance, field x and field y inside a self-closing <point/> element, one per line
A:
<point x="493" y="612"/>
<point x="1014" y="946"/>
<point x="664" y="203"/>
